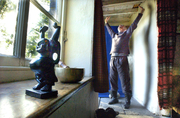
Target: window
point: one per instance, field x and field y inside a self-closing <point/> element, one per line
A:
<point x="21" y="34"/>
<point x="50" y="6"/>
<point x="8" y="14"/>
<point x="39" y="13"/>
<point x="36" y="20"/>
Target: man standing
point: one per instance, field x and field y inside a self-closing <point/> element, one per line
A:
<point x="119" y="63"/>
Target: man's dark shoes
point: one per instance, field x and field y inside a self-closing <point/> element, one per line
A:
<point x="108" y="113"/>
<point x="127" y="100"/>
<point x="113" y="101"/>
<point x="114" y="97"/>
<point x="111" y="113"/>
<point x="127" y="105"/>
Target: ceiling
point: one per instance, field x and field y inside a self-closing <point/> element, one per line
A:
<point x="120" y="10"/>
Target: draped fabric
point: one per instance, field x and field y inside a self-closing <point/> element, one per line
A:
<point x="167" y="25"/>
<point x="100" y="68"/>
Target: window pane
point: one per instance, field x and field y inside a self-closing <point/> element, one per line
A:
<point x="8" y="14"/>
<point x="50" y="6"/>
<point x="36" y="20"/>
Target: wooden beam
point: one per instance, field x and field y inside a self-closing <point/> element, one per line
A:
<point x="119" y="23"/>
<point x="120" y="1"/>
<point x="127" y="5"/>
<point x="122" y="19"/>
<point x="120" y="12"/>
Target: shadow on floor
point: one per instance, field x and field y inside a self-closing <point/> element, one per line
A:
<point x="136" y="110"/>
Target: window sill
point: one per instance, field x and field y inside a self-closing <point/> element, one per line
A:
<point x="14" y="68"/>
<point x="15" y="73"/>
<point x="14" y="102"/>
<point x="7" y="60"/>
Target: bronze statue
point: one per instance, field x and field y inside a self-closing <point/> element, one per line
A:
<point x="43" y="64"/>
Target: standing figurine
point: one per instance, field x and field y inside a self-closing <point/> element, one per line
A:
<point x="43" y="64"/>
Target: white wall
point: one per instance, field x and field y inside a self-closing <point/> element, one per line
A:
<point x="145" y="65"/>
<point x="81" y="105"/>
<point x="79" y="26"/>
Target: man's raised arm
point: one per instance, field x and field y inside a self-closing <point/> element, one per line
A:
<point x="110" y="31"/>
<point x="134" y="24"/>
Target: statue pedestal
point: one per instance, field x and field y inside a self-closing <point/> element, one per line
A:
<point x="41" y="94"/>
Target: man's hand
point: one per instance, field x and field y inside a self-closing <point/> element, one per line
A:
<point x="142" y="9"/>
<point x="107" y="19"/>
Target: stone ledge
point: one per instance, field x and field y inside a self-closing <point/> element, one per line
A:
<point x="15" y="73"/>
<point x="14" y="68"/>
<point x="14" y="102"/>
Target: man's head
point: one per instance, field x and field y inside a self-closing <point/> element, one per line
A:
<point x="122" y="28"/>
